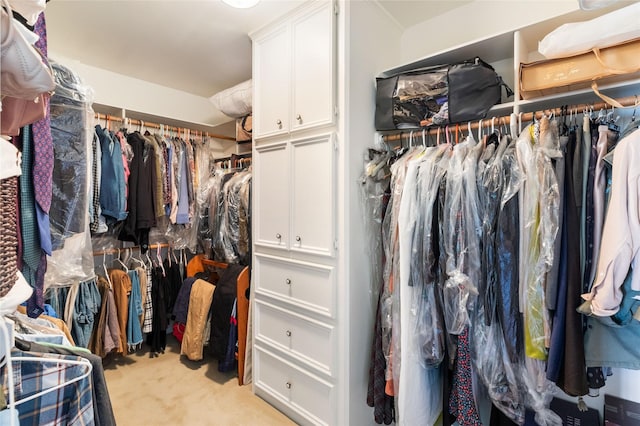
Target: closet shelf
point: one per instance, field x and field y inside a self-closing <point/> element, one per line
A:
<point x="136" y="117"/>
<point x="628" y="88"/>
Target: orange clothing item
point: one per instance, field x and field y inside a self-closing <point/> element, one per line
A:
<point x="121" y="289"/>
<point x="195" y="265"/>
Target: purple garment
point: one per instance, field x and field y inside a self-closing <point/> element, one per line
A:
<point x="43" y="153"/>
<point x="181" y="307"/>
<point x="183" y="198"/>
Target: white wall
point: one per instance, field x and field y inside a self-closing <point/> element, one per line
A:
<point x="477" y="20"/>
<point x="372" y="46"/>
<point x="121" y="91"/>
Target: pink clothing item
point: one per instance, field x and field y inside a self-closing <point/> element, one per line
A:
<point x="621" y="234"/>
<point x="127" y="153"/>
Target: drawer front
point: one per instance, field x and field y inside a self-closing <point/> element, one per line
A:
<point x="309" y="340"/>
<point x="302" y="284"/>
<point x="308" y="395"/>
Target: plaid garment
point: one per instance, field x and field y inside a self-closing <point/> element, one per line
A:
<point x="70" y="405"/>
<point x="148" y="306"/>
<point x="96" y="158"/>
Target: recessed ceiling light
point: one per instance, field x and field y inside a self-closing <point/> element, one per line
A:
<point x="241" y="4"/>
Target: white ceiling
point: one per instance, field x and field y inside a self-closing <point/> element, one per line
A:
<point x="200" y="47"/>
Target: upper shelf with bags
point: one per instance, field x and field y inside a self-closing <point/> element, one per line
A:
<point x="506" y="51"/>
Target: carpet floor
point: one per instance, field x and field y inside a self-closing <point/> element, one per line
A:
<point x="171" y="390"/>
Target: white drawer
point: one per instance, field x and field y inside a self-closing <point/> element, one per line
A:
<point x="303" y="284"/>
<point x="309" y="340"/>
<point x="310" y="396"/>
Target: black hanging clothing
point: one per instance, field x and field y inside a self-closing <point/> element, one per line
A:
<point x="141" y="200"/>
<point x="572" y="377"/>
<point x="221" y="308"/>
<point x="174" y="281"/>
<point x="157" y="339"/>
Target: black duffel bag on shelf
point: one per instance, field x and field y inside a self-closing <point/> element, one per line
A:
<point x="437" y="95"/>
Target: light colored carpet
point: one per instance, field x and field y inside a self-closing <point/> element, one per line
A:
<point x="171" y="390"/>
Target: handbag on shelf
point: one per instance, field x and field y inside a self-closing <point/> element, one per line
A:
<point x="437" y="95"/>
<point x="23" y="73"/>
<point x="17" y="113"/>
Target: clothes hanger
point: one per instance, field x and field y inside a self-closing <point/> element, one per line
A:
<point x="10" y="359"/>
<point x="134" y="259"/>
<point x="117" y="259"/>
<point x="173" y="253"/>
<point x="160" y="260"/>
<point x="480" y="130"/>
<point x="83" y="362"/>
<point x="149" y="259"/>
<point x="106" y="271"/>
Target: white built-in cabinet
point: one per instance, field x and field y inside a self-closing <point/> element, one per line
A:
<point x="295" y="61"/>
<point x="294" y="214"/>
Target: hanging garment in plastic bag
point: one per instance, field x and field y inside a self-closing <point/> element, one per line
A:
<point x="540" y="216"/>
<point x="72" y="134"/>
<point x="428" y="328"/>
<point x="461" y="239"/>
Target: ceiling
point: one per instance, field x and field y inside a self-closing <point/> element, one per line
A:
<point x="200" y="47"/>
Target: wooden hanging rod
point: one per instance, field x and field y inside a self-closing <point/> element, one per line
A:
<point x="505" y="120"/>
<point x="124" y="249"/>
<point x="136" y="122"/>
<point x="214" y="263"/>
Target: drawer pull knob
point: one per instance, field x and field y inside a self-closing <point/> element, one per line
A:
<point x="299" y="118"/>
<point x="288" y="385"/>
<point x="298" y="239"/>
<point x="279" y="123"/>
<point x="278" y="236"/>
<point x="288" y="281"/>
<point x="288" y="333"/>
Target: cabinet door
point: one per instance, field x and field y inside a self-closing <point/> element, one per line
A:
<point x="271" y="195"/>
<point x="313" y="194"/>
<point x="271" y="82"/>
<point x="313" y="79"/>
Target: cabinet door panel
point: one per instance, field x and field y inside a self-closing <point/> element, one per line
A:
<point x="312" y="216"/>
<point x="271" y="80"/>
<point x="271" y="186"/>
<point x="313" y="68"/>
